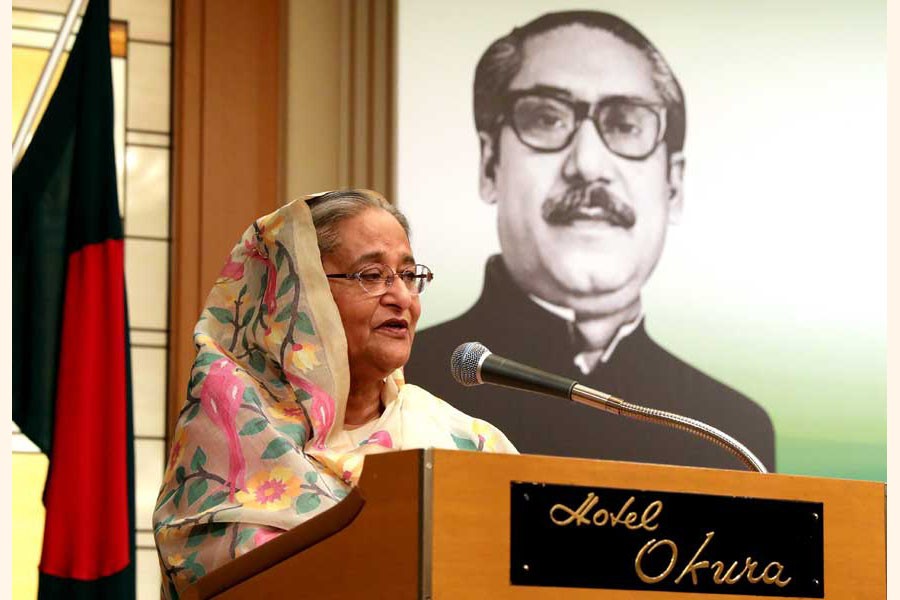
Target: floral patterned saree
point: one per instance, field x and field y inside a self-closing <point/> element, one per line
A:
<point x="260" y="445"/>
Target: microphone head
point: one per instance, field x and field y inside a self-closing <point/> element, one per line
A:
<point x="465" y="362"/>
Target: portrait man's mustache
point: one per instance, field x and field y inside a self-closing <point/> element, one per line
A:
<point x="588" y="201"/>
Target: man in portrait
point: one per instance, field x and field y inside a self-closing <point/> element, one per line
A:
<point x="581" y="124"/>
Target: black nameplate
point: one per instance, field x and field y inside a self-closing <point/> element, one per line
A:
<point x="590" y="537"/>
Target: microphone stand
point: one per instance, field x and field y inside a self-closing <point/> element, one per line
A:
<point x="596" y="399"/>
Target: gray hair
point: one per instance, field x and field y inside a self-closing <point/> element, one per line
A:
<point x="502" y="60"/>
<point x="329" y="209"/>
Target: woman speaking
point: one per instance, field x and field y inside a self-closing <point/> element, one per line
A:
<point x="298" y="376"/>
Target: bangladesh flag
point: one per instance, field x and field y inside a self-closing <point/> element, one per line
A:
<point x="71" y="372"/>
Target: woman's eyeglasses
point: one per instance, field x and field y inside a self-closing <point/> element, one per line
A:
<point x="629" y="128"/>
<point x="376" y="279"/>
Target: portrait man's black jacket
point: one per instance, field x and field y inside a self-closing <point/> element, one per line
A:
<point x="639" y="371"/>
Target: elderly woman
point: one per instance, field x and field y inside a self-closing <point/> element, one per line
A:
<point x="297" y="377"/>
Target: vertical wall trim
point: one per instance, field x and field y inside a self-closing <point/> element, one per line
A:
<point x="371" y="77"/>
<point x="351" y="96"/>
<point x="346" y="75"/>
<point x="391" y="105"/>
<point x="226" y="152"/>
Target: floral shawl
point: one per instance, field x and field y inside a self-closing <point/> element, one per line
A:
<point x="260" y="446"/>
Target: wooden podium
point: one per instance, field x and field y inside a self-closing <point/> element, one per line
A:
<point x="439" y="523"/>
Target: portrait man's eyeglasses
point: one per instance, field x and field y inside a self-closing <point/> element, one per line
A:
<point x="546" y="123"/>
<point x="376" y="279"/>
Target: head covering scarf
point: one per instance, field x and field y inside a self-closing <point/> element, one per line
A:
<point x="260" y="444"/>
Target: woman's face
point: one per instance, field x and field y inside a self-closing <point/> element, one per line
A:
<point x="379" y="329"/>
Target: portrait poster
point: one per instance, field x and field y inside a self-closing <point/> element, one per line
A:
<point x="772" y="280"/>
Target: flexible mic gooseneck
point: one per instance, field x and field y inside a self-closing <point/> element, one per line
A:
<point x="473" y="364"/>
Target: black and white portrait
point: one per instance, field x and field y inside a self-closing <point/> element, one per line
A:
<point x="581" y="125"/>
<point x="581" y="161"/>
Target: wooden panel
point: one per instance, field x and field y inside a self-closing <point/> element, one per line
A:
<point x="226" y="151"/>
<point x="340" y="91"/>
<point x="314" y="113"/>
<point x="471" y="526"/>
<point x="376" y="556"/>
<point x="262" y="116"/>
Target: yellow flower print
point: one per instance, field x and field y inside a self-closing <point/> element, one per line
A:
<point x="203" y="341"/>
<point x="274" y="335"/>
<point x="351" y="467"/>
<point x="176" y="560"/>
<point x="270" y="228"/>
<point x="165" y="533"/>
<point x="303" y="356"/>
<point x="270" y="490"/>
<point x="487" y="439"/>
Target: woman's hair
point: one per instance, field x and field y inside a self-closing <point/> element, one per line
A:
<point x="329" y="209"/>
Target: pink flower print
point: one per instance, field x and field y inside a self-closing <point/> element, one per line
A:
<point x="487" y="440"/>
<point x="271" y="272"/>
<point x="265" y="534"/>
<point x="321" y="411"/>
<point x="269" y="295"/>
<point x="289" y="411"/>
<point x="221" y="398"/>
<point x="322" y="415"/>
<point x="382" y="438"/>
<point x="232" y="270"/>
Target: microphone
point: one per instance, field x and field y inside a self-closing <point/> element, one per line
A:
<point x="473" y="364"/>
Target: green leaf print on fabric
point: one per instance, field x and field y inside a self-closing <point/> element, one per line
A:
<point x="311" y="477"/>
<point x="192" y="412"/>
<point x="253" y="426"/>
<point x="195" y="567"/>
<point x="207" y="359"/>
<point x="257" y="360"/>
<point x="304" y="324"/>
<point x="250" y="396"/>
<point x="199" y="459"/>
<point x="285" y="314"/>
<point x="295" y="432"/>
<point x="196" y="490"/>
<point x="287" y="284"/>
<point x="198" y="534"/>
<point x="277" y="447"/>
<point x="307" y="502"/>
<point x="464" y="443"/>
<point x="197" y="379"/>
<point x="213" y="500"/>
<point x="222" y="315"/>
<point x="165" y="498"/>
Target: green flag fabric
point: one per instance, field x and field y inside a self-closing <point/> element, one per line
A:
<point x="71" y="368"/>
